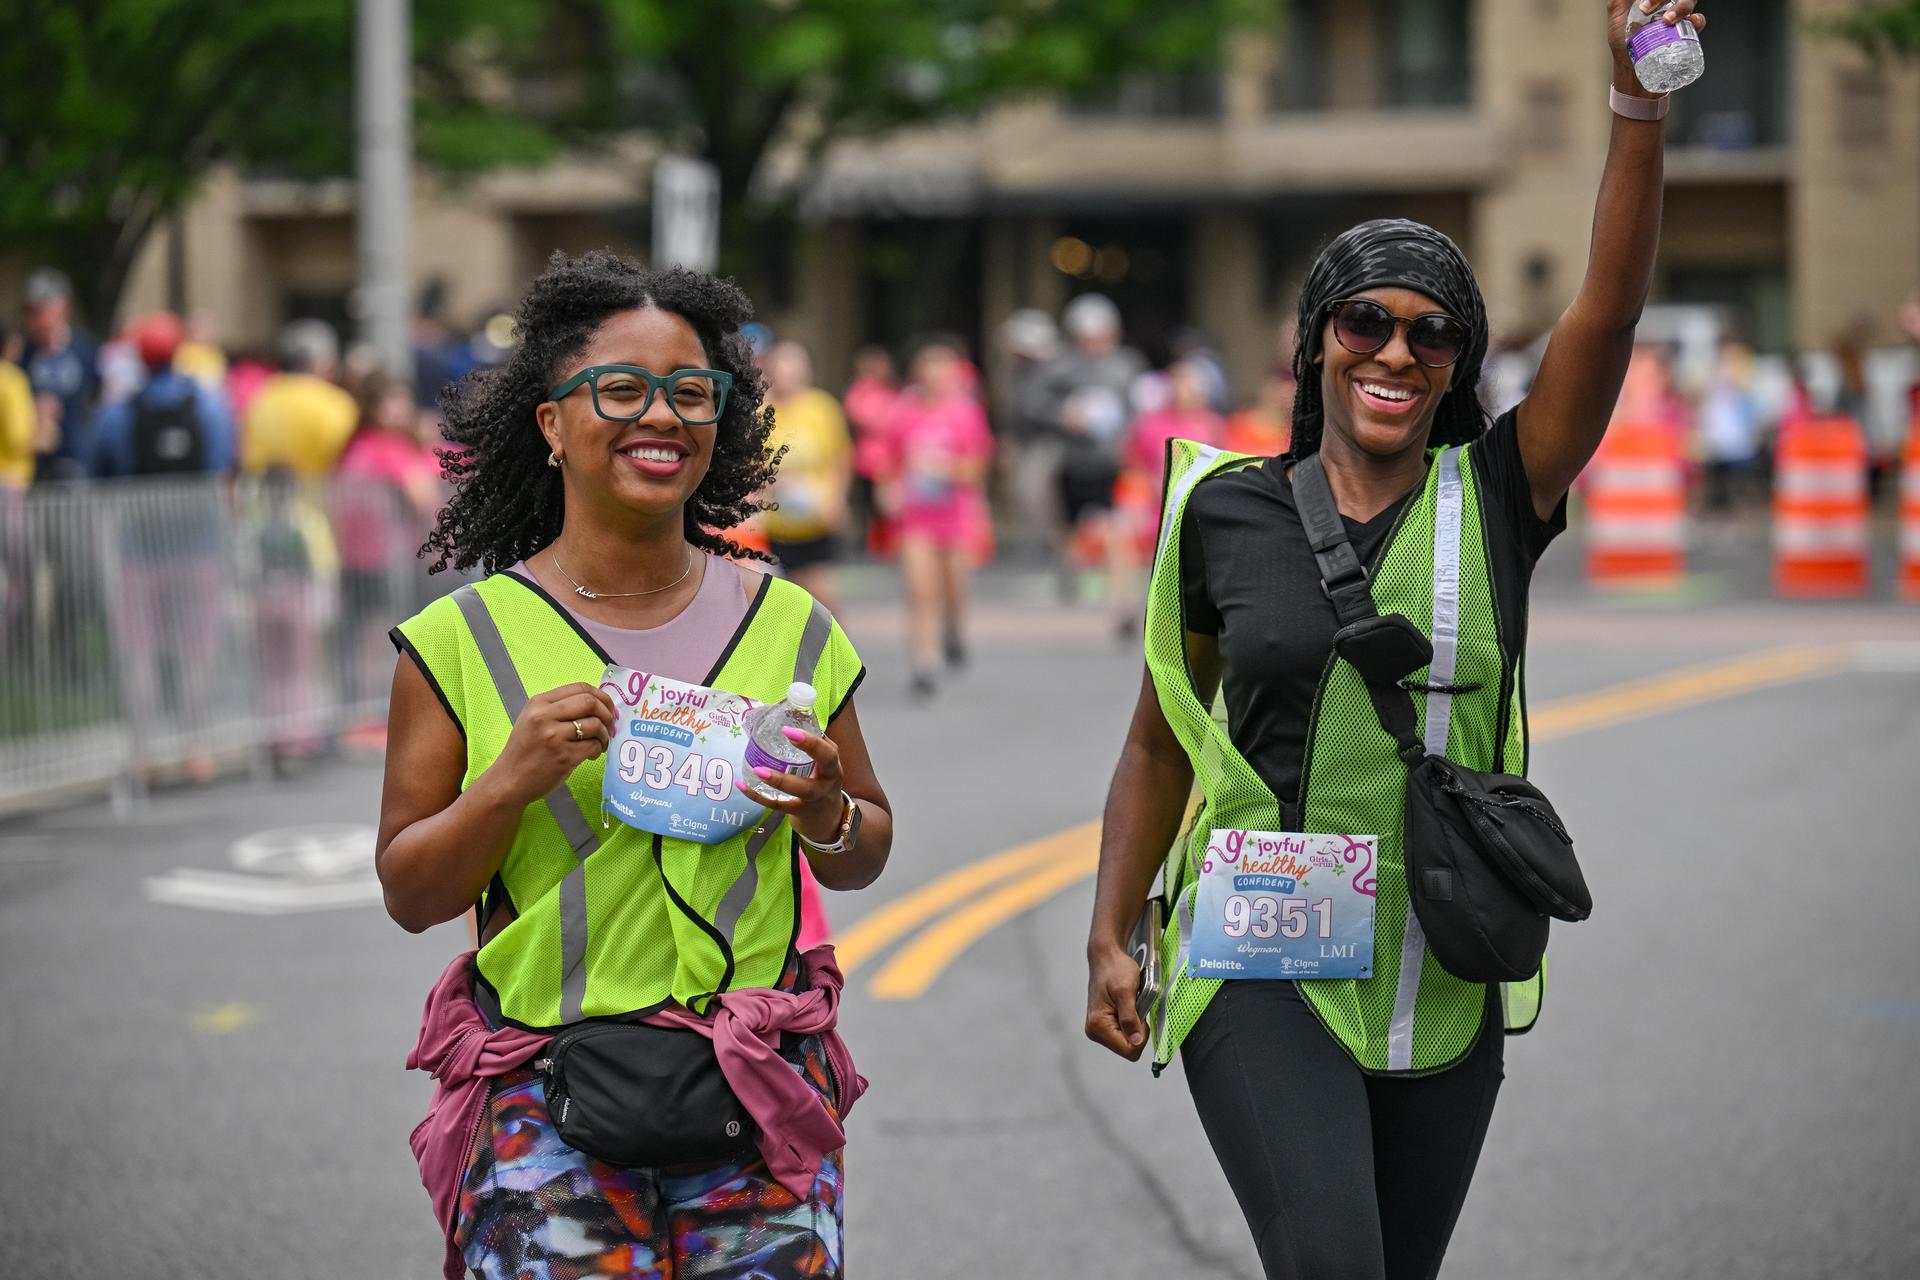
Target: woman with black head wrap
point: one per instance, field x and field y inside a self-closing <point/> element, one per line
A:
<point x="1344" y="1078"/>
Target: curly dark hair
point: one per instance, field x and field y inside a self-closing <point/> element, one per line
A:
<point x="507" y="502"/>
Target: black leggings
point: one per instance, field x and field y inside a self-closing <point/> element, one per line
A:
<point x="1341" y="1175"/>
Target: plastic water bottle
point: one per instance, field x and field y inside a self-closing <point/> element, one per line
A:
<point x="1665" y="57"/>
<point x="769" y="748"/>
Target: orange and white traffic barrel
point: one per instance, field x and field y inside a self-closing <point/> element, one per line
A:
<point x="1820" y="508"/>
<point x="1636" y="496"/>
<point x="1910" y="513"/>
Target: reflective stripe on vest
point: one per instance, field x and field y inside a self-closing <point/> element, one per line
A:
<point x="1446" y="648"/>
<point x="573" y="821"/>
<point x="560" y="803"/>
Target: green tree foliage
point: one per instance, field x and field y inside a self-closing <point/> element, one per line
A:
<point x="112" y="111"/>
<point x="1891" y="28"/>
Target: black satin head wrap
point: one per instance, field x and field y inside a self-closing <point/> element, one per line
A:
<point x="1392" y="253"/>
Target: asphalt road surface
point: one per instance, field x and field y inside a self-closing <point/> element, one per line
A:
<point x="206" y="1011"/>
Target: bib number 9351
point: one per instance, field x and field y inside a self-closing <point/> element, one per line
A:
<point x="1269" y="917"/>
<point x="1284" y="904"/>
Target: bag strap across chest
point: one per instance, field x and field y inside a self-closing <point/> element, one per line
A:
<point x="1387" y="649"/>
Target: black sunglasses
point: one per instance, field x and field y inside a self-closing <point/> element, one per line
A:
<point x="1363" y="327"/>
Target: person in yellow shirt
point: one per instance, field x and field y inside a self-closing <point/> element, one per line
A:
<point x="816" y="475"/>
<point x="299" y="420"/>
<point x="17" y="417"/>
<point x="200" y="356"/>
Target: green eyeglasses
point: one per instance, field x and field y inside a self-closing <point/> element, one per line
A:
<point x="622" y="392"/>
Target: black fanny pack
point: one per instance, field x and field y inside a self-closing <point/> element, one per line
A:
<point x="1489" y="863"/>
<point x="642" y="1096"/>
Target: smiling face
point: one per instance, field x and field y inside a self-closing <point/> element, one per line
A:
<point x="1382" y="403"/>
<point x="651" y="465"/>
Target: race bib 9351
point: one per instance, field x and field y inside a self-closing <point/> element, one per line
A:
<point x="1282" y="904"/>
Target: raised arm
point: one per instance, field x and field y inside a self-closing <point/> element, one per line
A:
<point x="1563" y="418"/>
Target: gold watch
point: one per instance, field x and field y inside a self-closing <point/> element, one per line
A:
<point x="849" y="829"/>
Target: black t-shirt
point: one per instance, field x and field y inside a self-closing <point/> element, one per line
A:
<point x="1248" y="577"/>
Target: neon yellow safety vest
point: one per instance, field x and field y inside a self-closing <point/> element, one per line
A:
<point x="611" y="920"/>
<point x="1411" y="1016"/>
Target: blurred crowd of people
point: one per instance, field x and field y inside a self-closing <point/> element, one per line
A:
<point x="162" y="397"/>
<point x="339" y="484"/>
<point x="908" y="462"/>
<point x="914" y="456"/>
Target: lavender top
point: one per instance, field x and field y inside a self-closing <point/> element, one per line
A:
<point x="686" y="645"/>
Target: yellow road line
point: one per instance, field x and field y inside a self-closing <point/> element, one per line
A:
<point x="1037" y="871"/>
<point x="1687" y="687"/>
<point x="873" y="933"/>
<point x="910" y="973"/>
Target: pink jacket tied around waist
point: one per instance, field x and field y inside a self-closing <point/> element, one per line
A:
<point x="796" y="1131"/>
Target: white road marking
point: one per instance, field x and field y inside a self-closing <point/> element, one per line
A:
<point x="282" y="871"/>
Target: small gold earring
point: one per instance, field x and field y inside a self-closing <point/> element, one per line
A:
<point x="553" y="458"/>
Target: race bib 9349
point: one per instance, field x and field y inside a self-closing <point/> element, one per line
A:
<point x="675" y="753"/>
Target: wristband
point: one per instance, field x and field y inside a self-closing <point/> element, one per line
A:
<point x="1633" y="107"/>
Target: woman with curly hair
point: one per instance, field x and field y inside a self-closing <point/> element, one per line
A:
<point x="638" y="1074"/>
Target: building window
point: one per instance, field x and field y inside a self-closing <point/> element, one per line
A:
<point x="1191" y="96"/>
<point x="1861" y="123"/>
<point x="1745" y="99"/>
<point x="1426" y="52"/>
<point x="1365" y="55"/>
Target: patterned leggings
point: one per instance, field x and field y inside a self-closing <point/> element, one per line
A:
<point x="533" y="1208"/>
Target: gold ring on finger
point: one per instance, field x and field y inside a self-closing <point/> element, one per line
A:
<point x="577" y="735"/>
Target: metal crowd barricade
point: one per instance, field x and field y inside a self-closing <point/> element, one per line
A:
<point x="158" y="628"/>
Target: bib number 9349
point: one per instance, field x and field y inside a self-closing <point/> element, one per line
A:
<point x="656" y="768"/>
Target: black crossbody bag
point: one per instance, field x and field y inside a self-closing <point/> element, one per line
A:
<point x="1489" y="863"/>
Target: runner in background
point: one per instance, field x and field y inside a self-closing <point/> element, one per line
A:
<point x="382" y="502"/>
<point x="1088" y="389"/>
<point x="172" y="538"/>
<point x="200" y="356"/>
<point x="869" y="403"/>
<point x="298" y="419"/>
<point x="812" y="494"/>
<point x="942" y="451"/>
<point x="63" y="365"/>
<point x="1730" y="426"/>
<point x="1031" y="446"/>
<point x="19" y="418"/>
<point x="1185" y="412"/>
<point x="1264" y="427"/>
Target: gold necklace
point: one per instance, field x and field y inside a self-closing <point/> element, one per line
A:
<point x="622" y="595"/>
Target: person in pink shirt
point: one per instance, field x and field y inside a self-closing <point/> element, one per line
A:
<point x="1169" y="406"/>
<point x="868" y="404"/>
<point x="940" y="452"/>
<point x="386" y="490"/>
<point x="1183" y="414"/>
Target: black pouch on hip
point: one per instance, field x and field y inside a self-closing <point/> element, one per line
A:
<point x="1488" y="863"/>
<point x="641" y="1096"/>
